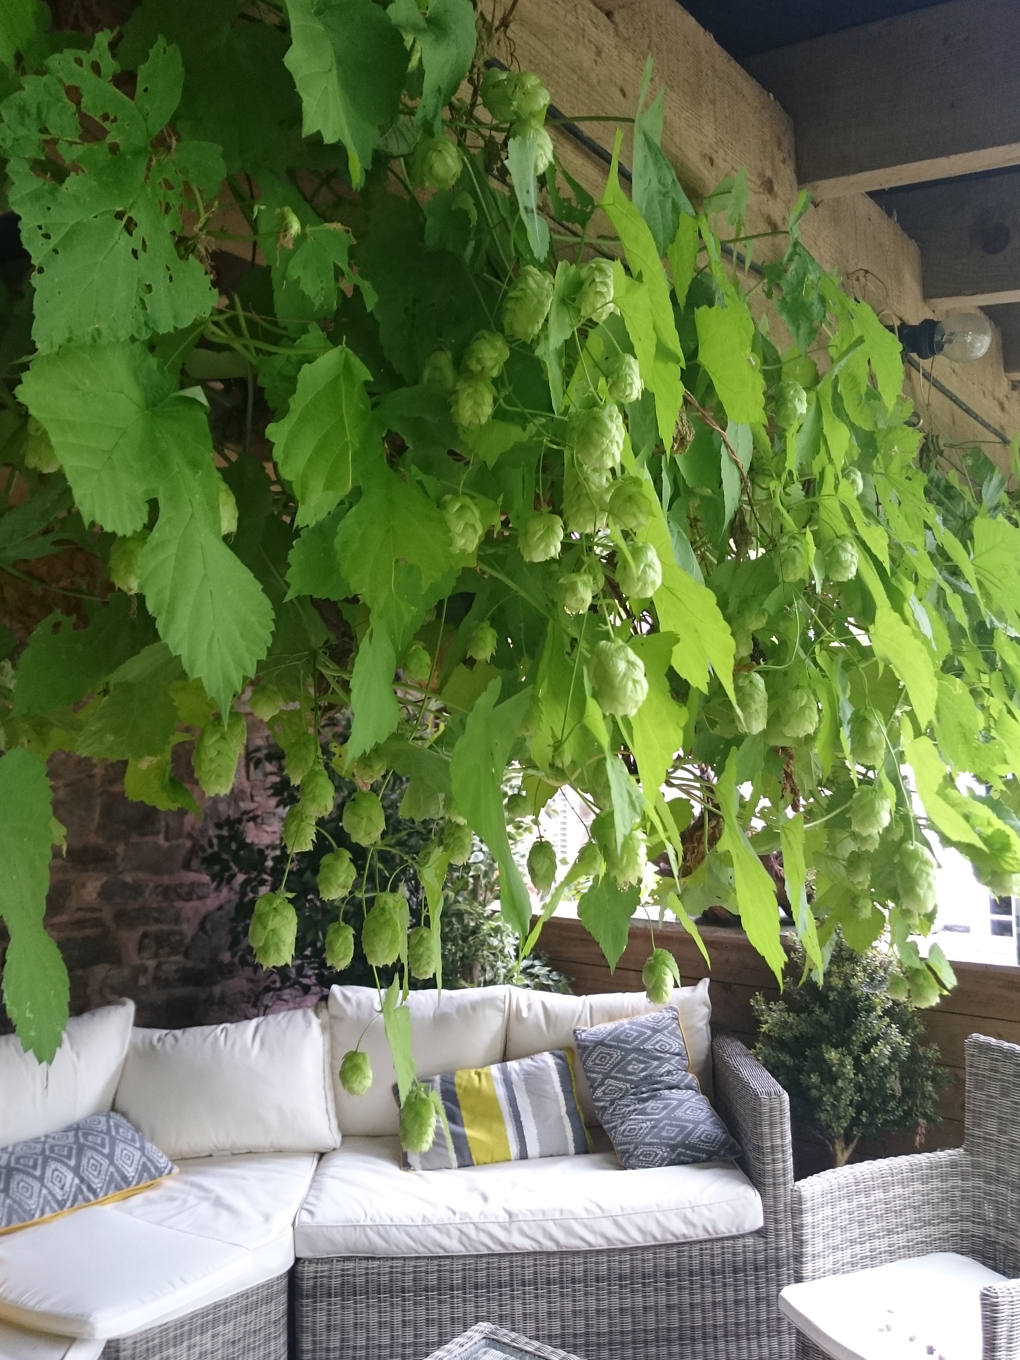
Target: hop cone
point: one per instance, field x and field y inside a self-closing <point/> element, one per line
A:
<point x="596" y="437"/>
<point x="867" y="737"/>
<point x="915" y="878"/>
<point x="527" y="304"/>
<point x="382" y="933"/>
<point x="791" y="405"/>
<point x="265" y="702"/>
<point x="798" y="714"/>
<point x="356" y="1072"/>
<point x="624" y="379"/>
<point x="317" y="792"/>
<point x="482" y="641"/>
<point x="439" y="372"/>
<point x="542" y="866"/>
<point x="840" y="559"/>
<point x="458" y="841"/>
<point x="217" y="752"/>
<point x="752" y="702"/>
<point x="298" y="828"/>
<point x="336" y="875"/>
<point x="299" y="757"/>
<point x="124" y="558"/>
<point x="792" y="555"/>
<point x="273" y="930"/>
<point x="595" y="296"/>
<point x="472" y="403"/>
<point x="464" y="522"/>
<point x="437" y="162"/>
<point x="540" y="537"/>
<point x="584" y="502"/>
<point x="617" y="677"/>
<point x="870" y="812"/>
<point x="364" y="819"/>
<point x="576" y="591"/>
<point x="486" y="355"/>
<point x="422" y="953"/>
<point x="628" y="504"/>
<point x="339" y="945"/>
<point x="417" y="1122"/>
<point x="640" y="576"/>
<point x="658" y="976"/>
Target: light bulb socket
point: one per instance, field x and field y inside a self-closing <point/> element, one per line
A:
<point x="924" y="339"/>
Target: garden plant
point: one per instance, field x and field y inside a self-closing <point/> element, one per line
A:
<point x="333" y="390"/>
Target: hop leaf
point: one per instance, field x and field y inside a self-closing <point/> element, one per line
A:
<point x="617" y="677"/>
<point x="596" y="437"/>
<point x="915" y="877"/>
<point x="575" y="590"/>
<point x="265" y="702"/>
<point x="356" y="1072"/>
<point x="317" y="792"/>
<point x="542" y="866"/>
<point x="798" y="714"/>
<point x="300" y="755"/>
<point x="273" y="930"/>
<point x="339" y="945"/>
<point x="527" y="304"/>
<point x="659" y="974"/>
<point x="867" y="737"/>
<point x="418" y="1121"/>
<point x="752" y="702"/>
<point x="624" y="379"/>
<point x="792" y="558"/>
<point x="383" y="931"/>
<point x="540" y="537"/>
<point x="439" y="371"/>
<point x="217" y="752"/>
<point x="299" y="828"/>
<point x="463" y="521"/>
<point x="840" y="559"/>
<point x="422" y="953"/>
<point x="628" y="503"/>
<point x="640" y="575"/>
<point x="472" y="403"/>
<point x="123" y="563"/>
<point x="336" y="876"/>
<point x="363" y="818"/>
<point x="482" y="641"/>
<point x="791" y="405"/>
<point x="486" y="355"/>
<point x="458" y="841"/>
<point x="870" y="812"/>
<point x="595" y="296"/>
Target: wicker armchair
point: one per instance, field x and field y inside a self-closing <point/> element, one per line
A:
<point x="709" y="1300"/>
<point x="965" y="1200"/>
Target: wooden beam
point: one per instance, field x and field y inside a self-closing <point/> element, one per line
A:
<point x="918" y="97"/>
<point x="968" y="231"/>
<point x="1007" y="318"/>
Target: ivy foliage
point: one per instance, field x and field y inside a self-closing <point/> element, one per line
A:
<point x="352" y="398"/>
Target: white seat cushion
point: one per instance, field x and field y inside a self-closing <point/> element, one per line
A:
<point x="221" y="1225"/>
<point x="927" y="1306"/>
<point x="454" y="1029"/>
<point x="81" y="1080"/>
<point x="540" y="1021"/>
<point x="362" y="1204"/>
<point x="17" y="1343"/>
<point x="254" y="1086"/>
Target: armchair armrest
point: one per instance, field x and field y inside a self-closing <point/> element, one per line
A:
<point x="757" y="1111"/>
<point x="867" y="1215"/>
<point x="1000" y="1320"/>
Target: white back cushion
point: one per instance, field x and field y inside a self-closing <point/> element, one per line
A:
<point x="543" y="1020"/>
<point x="464" y="1028"/>
<point x="255" y="1086"/>
<point x="36" y="1099"/>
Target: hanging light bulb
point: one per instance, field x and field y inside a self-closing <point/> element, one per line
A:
<point x="961" y="337"/>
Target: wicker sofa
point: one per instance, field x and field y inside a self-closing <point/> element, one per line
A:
<point x="387" y="1265"/>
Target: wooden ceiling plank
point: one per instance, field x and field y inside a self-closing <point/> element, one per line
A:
<point x="922" y="96"/>
<point x="1007" y="318"/>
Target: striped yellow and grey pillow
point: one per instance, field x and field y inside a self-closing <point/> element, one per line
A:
<point x="505" y="1113"/>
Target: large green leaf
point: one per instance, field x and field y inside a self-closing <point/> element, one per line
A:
<point x="373" y="702"/>
<point x="35" y="983"/>
<point x="930" y="776"/>
<point x="606" y="911"/>
<point x="61" y="663"/>
<point x="724" y="351"/>
<point x="397" y="1024"/>
<point x="327" y="432"/>
<point x="522" y="151"/>
<point x="755" y="891"/>
<point x="445" y="32"/>
<point x="791" y="839"/>
<point x="348" y="63"/>
<point x="657" y="728"/>
<point x="313" y="567"/>
<point x="656" y="190"/>
<point x="138" y="716"/>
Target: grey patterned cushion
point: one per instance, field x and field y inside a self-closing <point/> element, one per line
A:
<point x="648" y="1102"/>
<point x="101" y="1157"/>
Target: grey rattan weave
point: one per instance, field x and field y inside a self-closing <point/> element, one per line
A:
<point x="712" y="1300"/>
<point x="251" y="1325"/>
<point x="965" y="1200"/>
<point x="485" y="1334"/>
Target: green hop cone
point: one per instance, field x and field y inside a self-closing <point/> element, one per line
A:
<point x="545" y="153"/>
<point x="317" y="792"/>
<point x="336" y="875"/>
<point x="417" y="1121"/>
<point x="464" y="523"/>
<point x="858" y="870"/>
<point x="617" y="676"/>
<point x="439" y="372"/>
<point x="540" y="537"/>
<point x="527" y="304"/>
<point x="369" y="767"/>
<point x="472" y="402"/>
<point x="859" y="906"/>
<point x="641" y="576"/>
<point x="218" y="749"/>
<point x="437" y="163"/>
<point x="792" y="559"/>
<point x="421" y="953"/>
<point x="499" y="90"/>
<point x="518" y="805"/>
<point x="798" y="714"/>
<point x="628" y="504"/>
<point x="596" y="437"/>
<point x="298" y="828"/>
<point x="265" y="702"/>
<point x="867" y="737"/>
<point x="482" y="641"/>
<point x="486" y="355"/>
<point x="924" y="989"/>
<point x="228" y="510"/>
<point x="416" y="664"/>
<point x="273" y="930"/>
<point x="840" y="559"/>
<point x="575" y="592"/>
<point x="624" y="379"/>
<point x="856" y="479"/>
<point x="627" y="864"/>
<point x="999" y="882"/>
<point x="542" y="866"/>
<point x="124" y="558"/>
<point x="363" y="818"/>
<point x="915" y="878"/>
<point x="458" y="841"/>
<point x="339" y="946"/>
<point x="898" y="987"/>
<point x="531" y="98"/>
<point x="791" y="405"/>
<point x="588" y="863"/>
<point x="659" y="975"/>
<point x="585" y="500"/>
<point x="870" y="812"/>
<point x="382" y="933"/>
<point x="38" y="450"/>
<point x="356" y="1072"/>
<point x="595" y="295"/>
<point x="752" y="702"/>
<point x="300" y="755"/>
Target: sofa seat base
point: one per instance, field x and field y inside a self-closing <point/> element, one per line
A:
<point x="361" y="1203"/>
<point x="221" y="1226"/>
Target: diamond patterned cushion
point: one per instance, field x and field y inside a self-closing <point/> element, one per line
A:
<point x="647" y="1100"/>
<point x="100" y="1158"/>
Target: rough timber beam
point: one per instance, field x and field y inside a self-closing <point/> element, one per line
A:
<point x="922" y="96"/>
<point x="1007" y="318"/>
